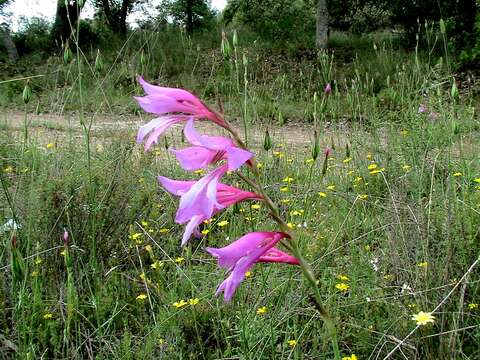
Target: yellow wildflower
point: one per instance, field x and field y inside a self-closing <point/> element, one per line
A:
<point x="180" y="304"/>
<point x="259" y="165"/>
<point x="351" y="357"/>
<point x="477" y="180"/>
<point x="38" y="261"/>
<point x="193" y="301"/>
<point x="363" y="197"/>
<point x="222" y="223"/>
<point x="331" y="187"/>
<point x="248" y="274"/>
<point x="423" y="318"/>
<point x="156" y="265"/>
<point x="376" y="171"/>
<point x="422" y="264"/>
<point x="457" y="174"/>
<point x="473" y="306"/>
<point x="144" y="223"/>
<point x="372" y="166"/>
<point x="199" y="171"/>
<point x="34" y="273"/>
<point x="205" y="231"/>
<point x="406" y="168"/>
<point x="322" y="194"/>
<point x="256" y="206"/>
<point x="296" y="212"/>
<point x="309" y="161"/>
<point x="284" y="189"/>
<point x="285" y="201"/>
<point x="290" y="225"/>
<point x="412" y="306"/>
<point x="141" y="297"/>
<point x="8" y="170"/>
<point x="179" y="260"/>
<point x="50" y="145"/>
<point x="163" y="231"/>
<point x="148" y="248"/>
<point x="262" y="310"/>
<point x="63" y="252"/>
<point x="404" y="132"/>
<point x="342" y="287"/>
<point x="369" y="156"/>
<point x="278" y="154"/>
<point x="347" y="160"/>
<point x="292" y="343"/>
<point x="142" y="276"/>
<point x="288" y="179"/>
<point x="343" y="277"/>
<point x="47" y="316"/>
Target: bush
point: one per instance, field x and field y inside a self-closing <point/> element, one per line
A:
<point x="34" y="36"/>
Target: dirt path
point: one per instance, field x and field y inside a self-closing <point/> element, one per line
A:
<point x="45" y="125"/>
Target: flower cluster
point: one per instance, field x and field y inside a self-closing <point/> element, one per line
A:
<point x="201" y="200"/>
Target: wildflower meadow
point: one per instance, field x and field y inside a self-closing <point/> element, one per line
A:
<point x="208" y="196"/>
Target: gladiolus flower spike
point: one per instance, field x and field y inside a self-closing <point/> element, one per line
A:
<point x="202" y="199"/>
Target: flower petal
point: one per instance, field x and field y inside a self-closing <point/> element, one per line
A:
<point x="194" y="157"/>
<point x="175" y="187"/>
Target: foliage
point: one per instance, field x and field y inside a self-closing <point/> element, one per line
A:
<point x="33" y="36"/>
<point x="202" y="15"/>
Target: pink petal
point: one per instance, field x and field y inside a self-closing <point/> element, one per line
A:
<point x="191" y="227"/>
<point x="194" y="158"/>
<point x="161" y="104"/>
<point x="175" y="187"/>
<point x="210" y="142"/>
<point x="237" y="157"/>
<point x="278" y="256"/>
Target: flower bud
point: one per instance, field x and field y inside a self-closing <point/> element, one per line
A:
<point x="27" y="93"/>
<point x="65" y="236"/>
<point x="225" y="46"/>
<point x="143" y="60"/>
<point x="316" y="146"/>
<point x="235" y="38"/>
<point x="443" y="29"/>
<point x="267" y="141"/>
<point x="328" y="88"/>
<point x="347" y="151"/>
<point x="454" y="91"/>
<point x="327" y="153"/>
<point x="98" y="62"/>
<point x="67" y="54"/>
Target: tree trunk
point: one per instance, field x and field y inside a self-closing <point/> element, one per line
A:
<point x="321" y="38"/>
<point x="65" y="19"/>
<point x="123" y="18"/>
<point x="189" y="16"/>
<point x="7" y="41"/>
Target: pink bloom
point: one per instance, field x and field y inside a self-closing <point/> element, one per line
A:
<point x="276" y="255"/>
<point x="241" y="255"/>
<point x="208" y="150"/>
<point x="422" y="108"/>
<point x="173" y="106"/>
<point x="65" y="236"/>
<point x="433" y="115"/>
<point x="328" y="88"/>
<point x="226" y="196"/>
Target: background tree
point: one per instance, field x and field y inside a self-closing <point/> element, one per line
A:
<point x="5" y="38"/>
<point x="115" y="13"/>
<point x="321" y="36"/>
<point x="66" y="18"/>
<point x="193" y="14"/>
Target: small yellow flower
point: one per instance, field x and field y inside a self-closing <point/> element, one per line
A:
<point x="423" y="318"/>
<point x="141" y="297"/>
<point x="144" y="223"/>
<point x="473" y="306"/>
<point x="143" y="276"/>
<point x="8" y="170"/>
<point x="296" y="212"/>
<point x="63" y="252"/>
<point x="331" y="187"/>
<point x="156" y="265"/>
<point x="342" y="287"/>
<point x="163" y="231"/>
<point x="350" y="172"/>
<point x="370" y="157"/>
<point x="422" y="264"/>
<point x="38" y="261"/>
<point x="388" y="277"/>
<point x="406" y="168"/>
<point x="376" y="171"/>
<point x="404" y="132"/>
<point x="148" y="248"/>
<point x="279" y="154"/>
<point x="50" y="145"/>
<point x="222" y="223"/>
<point x="363" y="197"/>
<point x="477" y="180"/>
<point x="284" y="188"/>
<point x="285" y="201"/>
<point x="351" y="357"/>
<point x="322" y="194"/>
<point x="199" y="171"/>
<point x="288" y="179"/>
<point x="179" y="260"/>
<point x="248" y="274"/>
<point x="259" y="165"/>
<point x="256" y="206"/>
<point x="262" y="310"/>
<point x="136" y="236"/>
<point x="292" y="343"/>
<point x="208" y="221"/>
<point x="309" y="161"/>
<point x="290" y="225"/>
<point x="367" y="247"/>
<point x="180" y="304"/>
<point x="343" y="277"/>
<point x="205" y="231"/>
<point x="412" y="306"/>
<point x="347" y="160"/>
<point x="372" y="166"/>
<point x="193" y="301"/>
<point x="34" y="273"/>
<point x="47" y="316"/>
<point x="457" y="174"/>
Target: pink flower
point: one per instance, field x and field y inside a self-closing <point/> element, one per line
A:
<point x="422" y="108"/>
<point x="65" y="236"/>
<point x="241" y="255"/>
<point x="328" y="88"/>
<point x="226" y="196"/>
<point x="208" y="150"/>
<point x="433" y="115"/>
<point x="173" y="106"/>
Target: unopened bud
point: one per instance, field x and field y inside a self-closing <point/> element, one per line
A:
<point x="267" y="141"/>
<point x="98" y="62"/>
<point x="143" y="60"/>
<point x="454" y="91"/>
<point x="65" y="236"/>
<point x="225" y="46"/>
<point x="443" y="29"/>
<point x="67" y="54"/>
<point x="316" y="146"/>
<point x="347" y="151"/>
<point x="27" y="93"/>
<point x="325" y="160"/>
<point x="235" y="38"/>
<point x="328" y="88"/>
